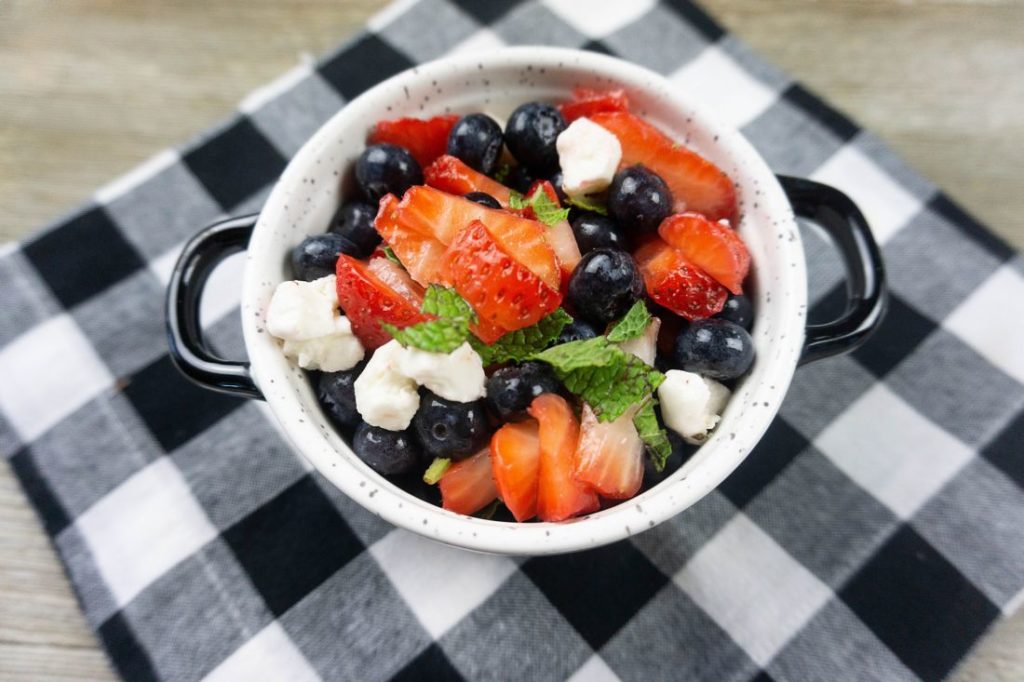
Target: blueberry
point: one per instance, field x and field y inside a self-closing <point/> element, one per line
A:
<point x="447" y="428"/>
<point x="510" y="390"/>
<point x="738" y="309"/>
<point x="531" y="133"/>
<point x="518" y="179"/>
<point x="605" y="283"/>
<point x="316" y="256"/>
<point x="719" y="349"/>
<point x="389" y="453"/>
<point x="483" y="198"/>
<point x="577" y="330"/>
<point x="556" y="181"/>
<point x="354" y="222"/>
<point x="336" y="393"/>
<point x="638" y="199"/>
<point x="386" y="169"/>
<point x="594" y="231"/>
<point x="476" y="140"/>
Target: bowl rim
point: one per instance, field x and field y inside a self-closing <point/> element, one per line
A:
<point x="757" y="403"/>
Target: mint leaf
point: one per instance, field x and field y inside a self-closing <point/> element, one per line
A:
<point x="520" y="344"/>
<point x="446" y="303"/>
<point x="434" y="336"/>
<point x="654" y="437"/>
<point x="436" y="470"/>
<point x="599" y="373"/>
<point x="544" y="209"/>
<point x="502" y="174"/>
<point x="391" y="255"/>
<point x="632" y="325"/>
<point x="588" y="203"/>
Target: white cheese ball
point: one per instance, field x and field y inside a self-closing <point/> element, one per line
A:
<point x="334" y="352"/>
<point x="691" y="405"/>
<point x="385" y="397"/>
<point x="457" y="376"/>
<point x="588" y="155"/>
<point x="305" y="315"/>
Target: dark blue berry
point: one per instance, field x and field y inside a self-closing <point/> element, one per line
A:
<point x="483" y="198"/>
<point x="389" y="453"/>
<point x="531" y="133"/>
<point x="354" y="222"/>
<point x="336" y="393"/>
<point x="510" y="390"/>
<point x="577" y="330"/>
<point x="638" y="199"/>
<point x="386" y="169"/>
<point x="738" y="309"/>
<point x="605" y="283"/>
<point x="719" y="349"/>
<point x="556" y="181"/>
<point x="519" y="179"/>
<point x="316" y="256"/>
<point x="451" y="429"/>
<point x="476" y="140"/>
<point x="595" y="231"/>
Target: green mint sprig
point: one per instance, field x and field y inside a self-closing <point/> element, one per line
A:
<point x="632" y="325"/>
<point x="520" y="344"/>
<point x="653" y="435"/>
<point x="444" y="334"/>
<point x="546" y="210"/>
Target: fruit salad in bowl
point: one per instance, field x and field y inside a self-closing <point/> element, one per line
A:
<point x="525" y="302"/>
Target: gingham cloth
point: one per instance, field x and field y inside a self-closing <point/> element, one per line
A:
<point x="875" y="533"/>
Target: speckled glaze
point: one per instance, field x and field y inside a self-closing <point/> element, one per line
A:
<point x="312" y="187"/>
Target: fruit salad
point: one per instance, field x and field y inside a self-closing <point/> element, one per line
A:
<point x="528" y="321"/>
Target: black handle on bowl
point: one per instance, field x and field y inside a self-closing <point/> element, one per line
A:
<point x="189" y="350"/>
<point x="865" y="272"/>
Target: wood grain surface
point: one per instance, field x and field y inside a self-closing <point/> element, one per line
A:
<point x="88" y="89"/>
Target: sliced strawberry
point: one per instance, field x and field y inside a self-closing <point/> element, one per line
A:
<point x="439" y="216"/>
<point x="451" y="175"/>
<point x="500" y="289"/>
<point x="368" y="301"/>
<point x="586" y="102"/>
<point x="515" y="461"/>
<point x="675" y="283"/>
<point x="426" y="139"/>
<point x="559" y="495"/>
<point x="420" y="252"/>
<point x="468" y="486"/>
<point x="393" y="275"/>
<point x="547" y="188"/>
<point x="610" y="455"/>
<point x="696" y="183"/>
<point x="711" y="246"/>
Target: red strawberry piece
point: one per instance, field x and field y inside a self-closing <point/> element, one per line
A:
<point x="468" y="486"/>
<point x="675" y="283"/>
<point x="711" y="246"/>
<point x="426" y="212"/>
<point x="547" y="188"/>
<point x="559" y="494"/>
<point x="426" y="139"/>
<point x="515" y="460"/>
<point x="696" y="183"/>
<point x="503" y="292"/>
<point x="610" y="455"/>
<point x="586" y="102"/>
<point x="368" y="301"/>
<point x="451" y="175"/>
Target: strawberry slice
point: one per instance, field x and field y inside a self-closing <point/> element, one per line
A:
<point x="426" y="213"/>
<point x="426" y="139"/>
<point x="515" y="461"/>
<point x="368" y="301"/>
<point x="610" y="455"/>
<point x="501" y="290"/>
<point x="559" y="495"/>
<point x="675" y="283"/>
<point x="711" y="246"/>
<point x="696" y="183"/>
<point x="587" y="102"/>
<point x="451" y="175"/>
<point x="468" y="486"/>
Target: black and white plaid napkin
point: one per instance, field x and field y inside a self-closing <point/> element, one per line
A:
<point x="876" y="532"/>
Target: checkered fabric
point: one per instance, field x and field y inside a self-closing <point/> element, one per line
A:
<point x="875" y="533"/>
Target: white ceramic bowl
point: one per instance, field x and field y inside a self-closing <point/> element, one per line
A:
<point x="309" y="192"/>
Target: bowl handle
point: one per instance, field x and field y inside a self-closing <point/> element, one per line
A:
<point x="867" y="297"/>
<point x="189" y="351"/>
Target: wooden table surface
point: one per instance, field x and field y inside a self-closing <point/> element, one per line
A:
<point x="88" y="89"/>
